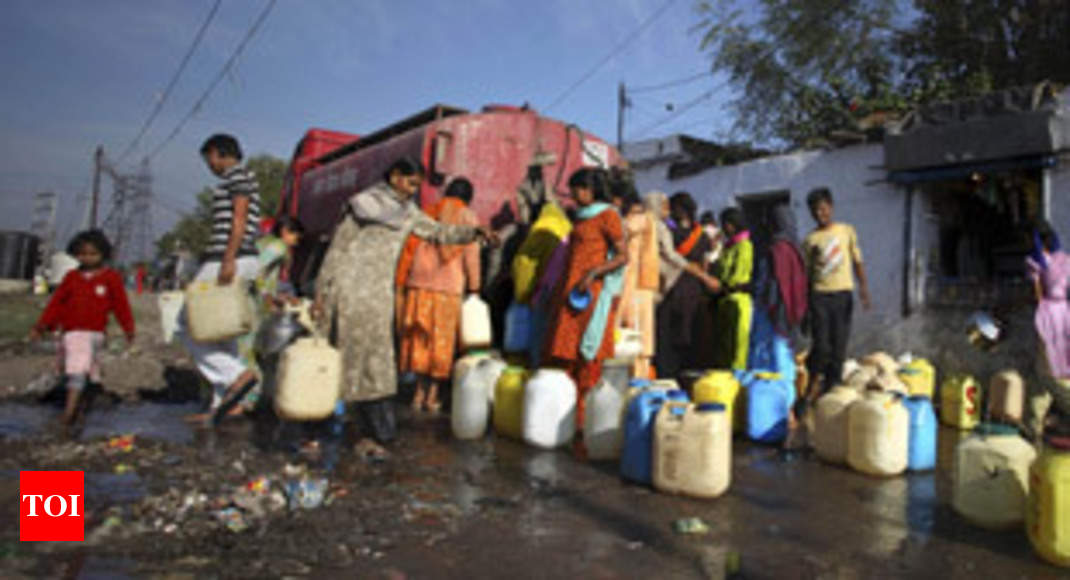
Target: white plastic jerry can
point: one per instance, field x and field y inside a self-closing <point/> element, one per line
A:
<point x="549" y="417"/>
<point x="475" y="323"/>
<point x="830" y="424"/>
<point x="470" y="410"/>
<point x="309" y="380"/>
<point x="170" y="305"/>
<point x="692" y="452"/>
<point x="602" y="421"/>
<point x="878" y="442"/>
<point x="215" y="313"/>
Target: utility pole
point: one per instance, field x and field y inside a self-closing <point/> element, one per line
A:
<point x="98" y="160"/>
<point x="622" y="102"/>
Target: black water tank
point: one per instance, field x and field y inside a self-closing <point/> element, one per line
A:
<point x="18" y="255"/>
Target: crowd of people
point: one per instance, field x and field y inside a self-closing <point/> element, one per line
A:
<point x="602" y="271"/>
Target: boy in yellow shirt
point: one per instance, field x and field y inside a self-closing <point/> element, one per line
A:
<point x="831" y="252"/>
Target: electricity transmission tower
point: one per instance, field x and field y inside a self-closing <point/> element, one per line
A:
<point x="128" y="221"/>
<point x="44" y="224"/>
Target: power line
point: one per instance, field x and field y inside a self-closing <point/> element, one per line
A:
<point x="769" y="52"/>
<point x="679" y="111"/>
<point x="174" y="80"/>
<point x="219" y="78"/>
<point x="616" y="49"/>
<point x="669" y="84"/>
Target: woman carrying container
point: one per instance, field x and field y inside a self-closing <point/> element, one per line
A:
<point x="779" y="340"/>
<point x="732" y="320"/>
<point x="355" y="290"/>
<point x="1049" y="268"/>
<point x="432" y="279"/>
<point x="582" y="318"/>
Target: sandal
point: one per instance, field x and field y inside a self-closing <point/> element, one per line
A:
<point x="231" y="400"/>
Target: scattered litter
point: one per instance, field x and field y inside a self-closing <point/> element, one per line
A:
<point x="124" y="443"/>
<point x="633" y="546"/>
<point x="307" y="493"/>
<point x="259" y="485"/>
<point x="233" y="519"/>
<point x="121" y="468"/>
<point x="690" y="526"/>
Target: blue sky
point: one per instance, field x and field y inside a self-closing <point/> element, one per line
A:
<point x="78" y="74"/>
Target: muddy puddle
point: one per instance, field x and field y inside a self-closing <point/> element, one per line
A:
<point x="445" y="508"/>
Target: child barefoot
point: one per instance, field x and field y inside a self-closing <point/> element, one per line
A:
<point x="79" y="309"/>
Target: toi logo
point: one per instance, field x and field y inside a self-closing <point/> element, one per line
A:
<point x="51" y="506"/>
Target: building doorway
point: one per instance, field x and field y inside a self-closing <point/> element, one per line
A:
<point x="758" y="211"/>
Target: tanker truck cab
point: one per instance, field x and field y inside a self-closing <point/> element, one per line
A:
<point x="494" y="148"/>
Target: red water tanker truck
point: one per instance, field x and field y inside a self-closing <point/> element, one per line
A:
<point x="493" y="148"/>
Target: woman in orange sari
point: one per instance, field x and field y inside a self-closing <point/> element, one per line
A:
<point x="581" y="338"/>
<point x="434" y="277"/>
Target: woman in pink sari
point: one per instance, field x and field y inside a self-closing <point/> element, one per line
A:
<point x="1049" y="268"/>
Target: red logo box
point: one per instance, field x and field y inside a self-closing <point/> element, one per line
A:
<point x="51" y="506"/>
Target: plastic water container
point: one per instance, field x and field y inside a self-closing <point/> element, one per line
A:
<point x="919" y="376"/>
<point x="921" y="455"/>
<point x="878" y="434"/>
<point x="467" y="364"/>
<point x="692" y="452"/>
<point x="636" y="454"/>
<point x="718" y="387"/>
<point x="861" y="377"/>
<point x="59" y="264"/>
<point x="960" y="402"/>
<point x="517" y="328"/>
<point x="849" y="367"/>
<point x="830" y="423"/>
<point x="1047" y="518"/>
<point x="602" y="434"/>
<point x="509" y="403"/>
<point x="769" y="401"/>
<point x="549" y="415"/>
<point x="473" y="376"/>
<point x="170" y="305"/>
<point x="475" y="323"/>
<point x="618" y="372"/>
<point x="990" y="477"/>
<point x="216" y="313"/>
<point x="768" y="350"/>
<point x="495" y="368"/>
<point x="309" y="380"/>
<point x="882" y="361"/>
<point x="1006" y="396"/>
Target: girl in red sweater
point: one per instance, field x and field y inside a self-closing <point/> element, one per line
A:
<point x="79" y="309"/>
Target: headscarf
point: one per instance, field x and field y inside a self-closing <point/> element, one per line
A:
<point x="783" y="226"/>
<point x="789" y="271"/>
<point x="1037" y="254"/>
<point x="381" y="204"/>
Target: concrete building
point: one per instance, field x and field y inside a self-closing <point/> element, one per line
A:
<point x="944" y="206"/>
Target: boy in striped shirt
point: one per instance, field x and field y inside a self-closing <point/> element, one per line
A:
<point x="231" y="256"/>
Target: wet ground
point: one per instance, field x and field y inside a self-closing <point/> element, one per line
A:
<point x="444" y="508"/>
<point x="490" y="508"/>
